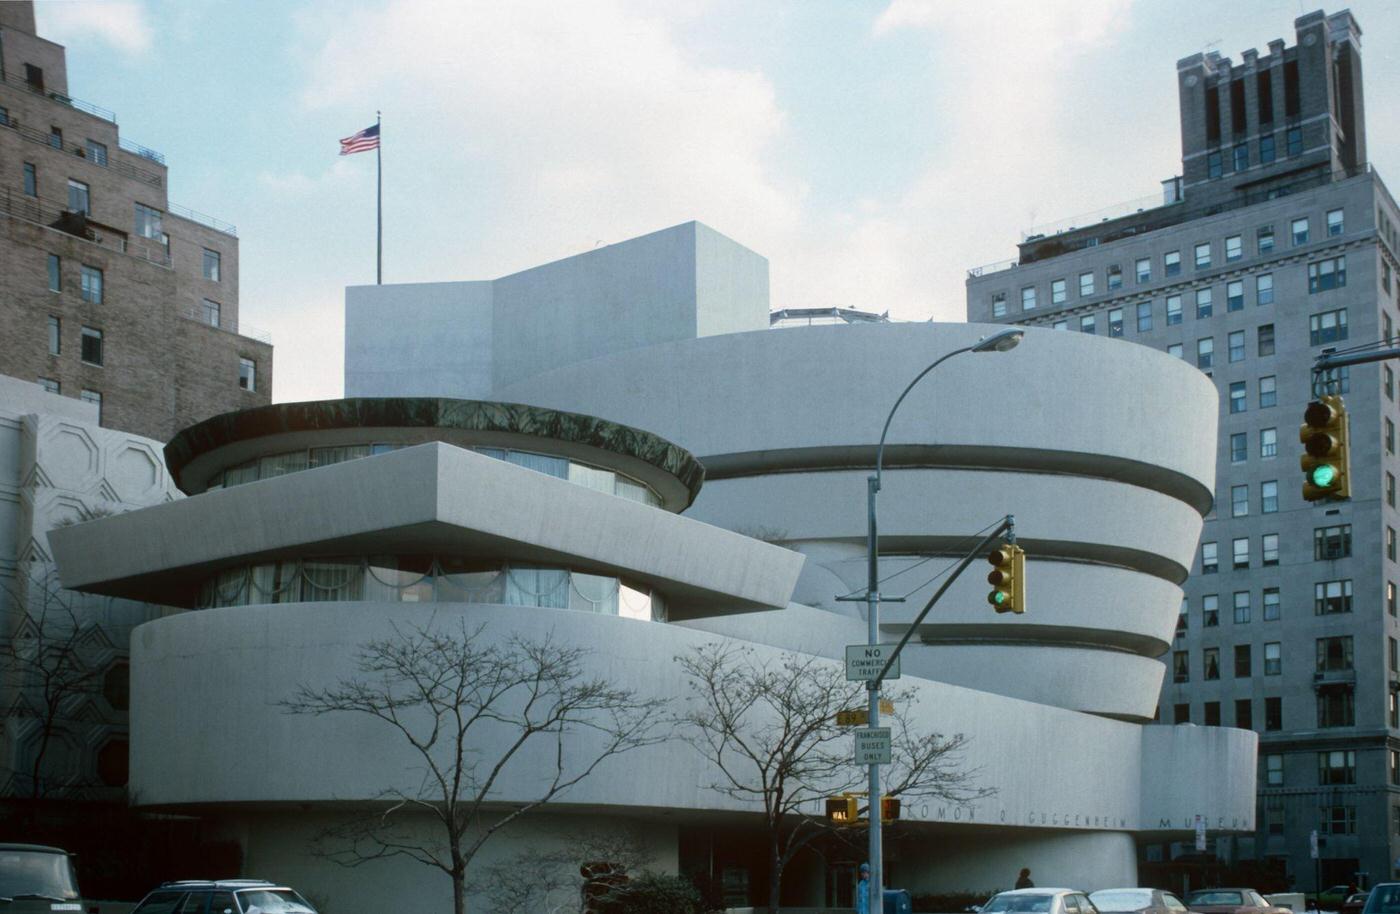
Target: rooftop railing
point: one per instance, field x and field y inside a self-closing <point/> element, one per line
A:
<point x="82" y="152"/>
<point x="991" y="268"/>
<point x="18" y="80"/>
<point x="229" y="325"/>
<point x="218" y="225"/>
<point x="76" y="225"/>
<point x="142" y="151"/>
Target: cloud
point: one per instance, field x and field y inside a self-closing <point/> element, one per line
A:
<point x="122" y="24"/>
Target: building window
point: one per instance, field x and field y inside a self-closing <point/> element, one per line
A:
<point x="1390" y="543"/>
<point x="1388" y="382"/>
<point x="1210" y="560"/>
<point x="95" y="398"/>
<point x="1264" y="289"/>
<point x="1210" y="663"/>
<point x="1144" y="316"/>
<point x="1264" y="239"/>
<point x="1274" y="818"/>
<point x="97" y="152"/>
<point x="1266" y="149"/>
<point x="79" y="199"/>
<point x="1240" y="550"/>
<point x="91" y="346"/>
<point x="1273" y="658"/>
<point x="1337" y="767"/>
<point x="1234" y="295"/>
<point x="1181" y="667"/>
<point x="1336" y="707"/>
<point x="1234" y="248"/>
<point x="1086" y="323"/>
<point x="1273" y="771"/>
<point x="1390" y="489"/>
<point x="1171" y="263"/>
<point x="1298" y="231"/>
<point x="1241" y="156"/>
<point x="1210" y="713"/>
<point x="92" y="285"/>
<point x="1181" y="713"/>
<point x="49" y="385"/>
<point x="1115" y="322"/>
<point x="1057" y="292"/>
<point x="1269" y="547"/>
<point x="1388" y="436"/>
<point x="1173" y="309"/>
<point x="1086" y="284"/>
<point x="1273" y="714"/>
<point x="1390" y="601"/>
<point x="55" y="335"/>
<point x="1268" y="443"/>
<point x="1060" y="325"/>
<point x="1210" y="610"/>
<point x="1394" y="710"/>
<point x="1268" y="391"/>
<point x="211" y="313"/>
<point x="1214" y="165"/>
<point x="1242" y="608"/>
<point x="1239" y="447"/>
<point x="1176" y="350"/>
<point x="1115" y="277"/>
<point x="998" y="299"/>
<point x="1327" y="327"/>
<point x="55" y="273"/>
<point x="1204" y="303"/>
<point x="213" y="270"/>
<point x="1328" y="274"/>
<point x="1235" y="345"/>
<point x="31" y="180"/>
<point x="1244" y="714"/>
<point x="1242" y="662"/>
<point x="1394" y="655"/>
<point x="1335" y="222"/>
<point x="1205" y="352"/>
<point x="1265" y="343"/>
<point x="1337" y="380"/>
<point x="1334" y="654"/>
<point x="1027" y="297"/>
<point x="1202" y="255"/>
<point x="247" y="374"/>
<point x="1237" y="397"/>
<point x="1394" y="767"/>
<point x="1331" y="597"/>
<point x="1143" y="268"/>
<point x="1239" y="501"/>
<point x="1268" y="496"/>
<point x="55" y="135"/>
<point x="148" y="222"/>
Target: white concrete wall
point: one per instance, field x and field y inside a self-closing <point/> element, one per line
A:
<point x="419" y="340"/>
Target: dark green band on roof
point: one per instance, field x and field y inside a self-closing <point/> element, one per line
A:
<point x="432" y="412"/>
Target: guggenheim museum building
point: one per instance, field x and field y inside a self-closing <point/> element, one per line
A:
<point x="616" y="452"/>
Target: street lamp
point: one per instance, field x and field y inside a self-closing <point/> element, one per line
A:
<point x="997" y="342"/>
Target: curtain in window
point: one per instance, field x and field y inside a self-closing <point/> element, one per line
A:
<point x="547" y="587"/>
<point x="394" y="579"/>
<point x="540" y="463"/>
<point x="633" y="603"/>
<point x="331" y="581"/>
<point x="593" y="593"/>
<point x="276" y="582"/>
<point x="634" y="491"/>
<point x="236" y="476"/>
<point x="281" y="464"/>
<point x="325" y="456"/>
<point x="593" y="478"/>
<point x="458" y="582"/>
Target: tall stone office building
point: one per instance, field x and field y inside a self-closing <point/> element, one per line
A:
<point x="108" y="292"/>
<point x="1278" y="240"/>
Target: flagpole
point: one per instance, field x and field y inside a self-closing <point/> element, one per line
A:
<point x="379" y="207"/>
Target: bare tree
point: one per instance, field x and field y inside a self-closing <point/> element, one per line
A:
<point x="768" y="726"/>
<point x="468" y="707"/>
<point x="590" y="873"/>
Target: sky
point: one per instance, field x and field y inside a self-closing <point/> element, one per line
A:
<point x="872" y="151"/>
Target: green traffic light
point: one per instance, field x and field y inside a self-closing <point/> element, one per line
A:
<point x="1324" y="476"/>
<point x="999" y="597"/>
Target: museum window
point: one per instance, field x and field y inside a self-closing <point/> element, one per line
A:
<point x="1242" y="610"/>
<point x="1239" y="501"/>
<point x="92" y="285"/>
<point x="1336" y="222"/>
<point x="1181" y="667"/>
<point x="1144" y="316"/>
<point x="1336" y="706"/>
<point x="1234" y="345"/>
<point x="1234" y="295"/>
<point x="1234" y="247"/>
<point x="1210" y="663"/>
<point x="1202" y="256"/>
<point x="79" y="198"/>
<point x="1273" y="770"/>
<point x="1057" y="292"/>
<point x="1240" y="549"/>
<point x="1209" y="558"/>
<point x="1336" y="767"/>
<point x="1210" y="715"/>
<point x="31" y="180"/>
<point x="1272" y="603"/>
<point x="1325" y="275"/>
<point x="1171" y="263"/>
<point x="1115" y="277"/>
<point x="1181" y="713"/>
<point x="1273" y="714"/>
<point x="1143" y="268"/>
<point x="1331" y="597"/>
<point x="247" y="374"/>
<point x="1268" y="392"/>
<point x="998" y="300"/>
<point x="55" y="335"/>
<point x="1205" y="352"/>
<point x="1205" y="303"/>
<point x="1244" y="714"/>
<point x="1327" y="327"/>
<point x="1173" y="310"/>
<point x="1028" y="298"/>
<point x="1239" y="447"/>
<point x="1210" y="610"/>
<point x="1264" y="289"/>
<point x="1269" y="542"/>
<point x="1086" y="284"/>
<point x="1264" y="239"/>
<point x="1298" y="231"/>
<point x="1243" y="661"/>
<point x="1268" y="443"/>
<point x="213" y="269"/>
<point x="91" y="350"/>
<point x="1273" y="658"/>
<point x="1115" y="322"/>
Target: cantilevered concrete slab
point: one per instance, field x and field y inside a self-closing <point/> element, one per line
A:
<point x="433" y="498"/>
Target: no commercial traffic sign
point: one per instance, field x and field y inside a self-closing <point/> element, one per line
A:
<point x="864" y="662"/>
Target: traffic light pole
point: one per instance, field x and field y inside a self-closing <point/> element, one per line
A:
<point x="1330" y="358"/>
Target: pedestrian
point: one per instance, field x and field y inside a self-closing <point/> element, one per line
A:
<point x="1024" y="880"/>
<point x="863" y="890"/>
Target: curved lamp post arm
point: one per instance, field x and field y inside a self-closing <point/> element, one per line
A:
<point x="880" y="449"/>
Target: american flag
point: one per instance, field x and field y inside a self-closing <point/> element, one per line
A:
<point x="363" y="141"/>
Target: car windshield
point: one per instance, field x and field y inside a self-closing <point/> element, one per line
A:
<point x="1206" y="898"/>
<point x="1013" y="903"/>
<point x="1384" y="899"/>
<point x="160" y="903"/>
<point x="274" y="901"/>
<point x="1122" y="899"/>
<point x="32" y="872"/>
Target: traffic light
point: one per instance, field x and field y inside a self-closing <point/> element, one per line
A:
<point x="842" y="810"/>
<point x="1008" y="579"/>
<point x="1327" y="461"/>
<point x="889" y="808"/>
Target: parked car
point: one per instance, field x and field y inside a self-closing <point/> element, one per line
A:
<point x="1040" y="901"/>
<point x="1331" y="899"/>
<point x="37" y="878"/>
<point x="1137" y="901"/>
<point x="224" y="896"/>
<point x="1231" y="901"/>
<point x="1355" y="903"/>
<point x="1383" y="899"/>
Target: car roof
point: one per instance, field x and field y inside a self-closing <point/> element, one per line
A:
<point x="43" y="848"/>
<point x="220" y="884"/>
<point x="1222" y="888"/>
<point x="1040" y="891"/>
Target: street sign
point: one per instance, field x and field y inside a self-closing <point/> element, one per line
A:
<point x="1312" y="844"/>
<point x="859" y="717"/>
<point x="873" y="746"/>
<point x="864" y="662"/>
<point x="1200" y="834"/>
